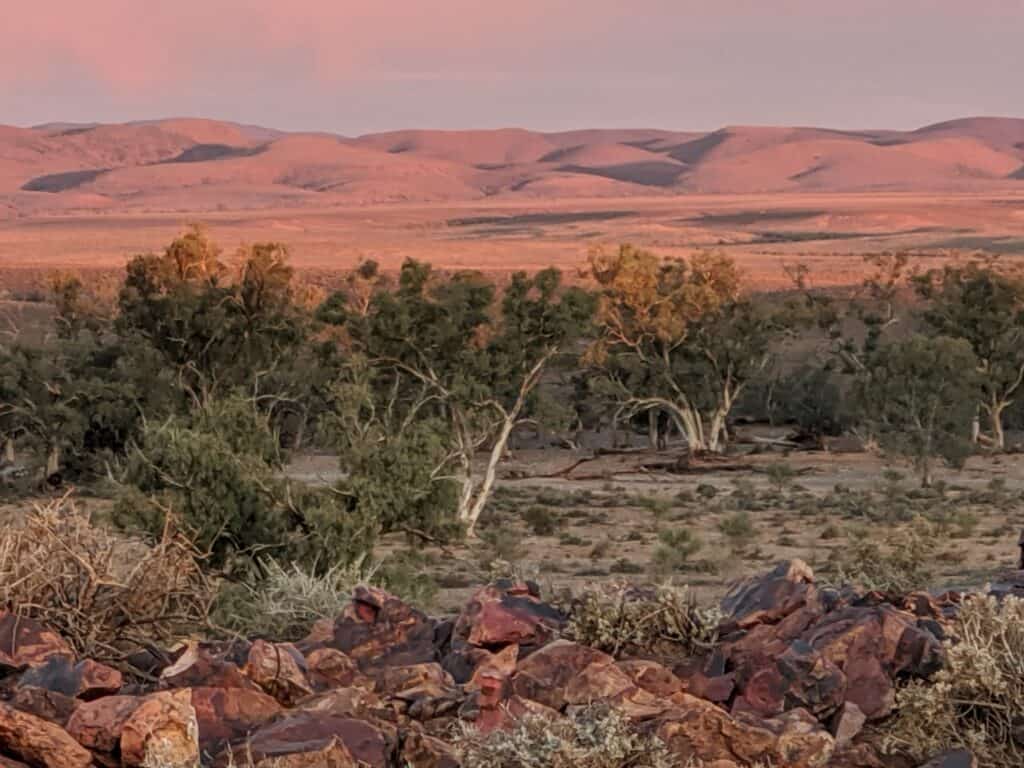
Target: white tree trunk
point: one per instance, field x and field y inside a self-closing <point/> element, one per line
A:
<point x="478" y="497"/>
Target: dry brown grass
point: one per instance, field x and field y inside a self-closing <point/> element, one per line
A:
<point x="104" y="593"/>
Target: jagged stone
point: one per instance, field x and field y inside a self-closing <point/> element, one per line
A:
<point x="98" y="724"/>
<point x="422" y="751"/>
<point x="226" y="714"/>
<point x="318" y="739"/>
<point x="39" y="743"/>
<point x="163" y="731"/>
<point x="543" y="675"/>
<point x="280" y="670"/>
<point x="86" y="680"/>
<point x="49" y="705"/>
<point x="651" y="676"/>
<point x="199" y="666"/>
<point x="847" y="724"/>
<point x="506" y="613"/>
<point x="25" y="642"/>
<point x="330" y="668"/>
<point x="770" y="598"/>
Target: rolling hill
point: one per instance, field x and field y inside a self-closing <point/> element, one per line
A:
<point x="194" y="164"/>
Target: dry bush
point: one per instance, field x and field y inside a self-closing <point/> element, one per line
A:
<point x="902" y="566"/>
<point x="286" y="604"/>
<point x="619" y="617"/>
<point x="105" y="593"/>
<point x="977" y="700"/>
<point x="596" y="737"/>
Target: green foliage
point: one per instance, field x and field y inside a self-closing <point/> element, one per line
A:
<point x="675" y="548"/>
<point x="541" y="521"/>
<point x="918" y="397"/>
<point x="738" y="529"/>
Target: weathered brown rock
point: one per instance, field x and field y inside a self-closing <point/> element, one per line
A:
<point x="49" y="705"/>
<point x="799" y="678"/>
<point x="422" y="751"/>
<point x="651" y="676"/>
<point x="597" y="682"/>
<point x="226" y="714"/>
<point x="280" y="670"/>
<point x="698" y="730"/>
<point x="317" y="739"/>
<point x="847" y="724"/>
<point x="377" y="630"/>
<point x="330" y="668"/>
<point x="199" y="666"/>
<point x="98" y="724"/>
<point x="162" y="731"/>
<point x="343" y="702"/>
<point x="397" y="679"/>
<point x="86" y="680"/>
<point x="39" y="743"/>
<point x="544" y="674"/>
<point x="26" y="642"/>
<point x="495" y="666"/>
<point x="506" y="613"/>
<point x="770" y="598"/>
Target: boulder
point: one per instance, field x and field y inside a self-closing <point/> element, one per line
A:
<point x="201" y="666"/>
<point x="506" y="613"/>
<point x="847" y="724"/>
<point x="163" y="731"/>
<point x="86" y="680"/>
<point x="330" y="668"/>
<point x="25" y="642"/>
<point x="280" y="670"/>
<point x="377" y="630"/>
<point x="422" y="751"/>
<point x="98" y="724"/>
<point x="597" y="682"/>
<point x="310" y="739"/>
<point x="227" y="714"/>
<point x="544" y="674"/>
<point x="39" y="743"/>
<point x="769" y="598"/>
<point x="651" y="677"/>
<point x="49" y="705"/>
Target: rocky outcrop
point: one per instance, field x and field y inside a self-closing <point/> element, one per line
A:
<point x="797" y="675"/>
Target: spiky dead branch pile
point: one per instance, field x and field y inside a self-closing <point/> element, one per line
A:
<point x="104" y="593"/>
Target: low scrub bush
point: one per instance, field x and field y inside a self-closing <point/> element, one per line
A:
<point x="595" y="737"/>
<point x="106" y="594"/>
<point x="618" y="617"/>
<point x="976" y="701"/>
<point x="902" y="565"/>
<point x="675" y="548"/>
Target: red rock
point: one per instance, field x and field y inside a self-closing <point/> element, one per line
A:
<point x="280" y="670"/>
<point x="847" y="724"/>
<point x="422" y="751"/>
<point x="199" y="666"/>
<point x="86" y="680"/>
<point x="718" y="689"/>
<point x="397" y="679"/>
<point x="315" y="739"/>
<point x="343" y="702"/>
<point x="770" y="598"/>
<point x="330" y="668"/>
<point x="377" y="631"/>
<point x="597" y="682"/>
<point x="544" y="674"/>
<point x="496" y="666"/>
<point x="651" y="676"/>
<point x="98" y="724"/>
<point x="162" y="731"/>
<point x="226" y="714"/>
<point x="39" y="743"/>
<point x="49" y="705"/>
<point x="25" y="642"/>
<point x="506" y="613"/>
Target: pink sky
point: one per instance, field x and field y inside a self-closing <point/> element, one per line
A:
<point x="352" y="66"/>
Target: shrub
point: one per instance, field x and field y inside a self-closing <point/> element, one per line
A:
<point x="675" y="549"/>
<point x="976" y="701"/>
<point x="541" y="520"/>
<point x="618" y="617"/>
<point x="105" y="594"/>
<point x="780" y="475"/>
<point x="707" y="491"/>
<point x="595" y="737"/>
<point x="900" y="567"/>
<point x="738" y="529"/>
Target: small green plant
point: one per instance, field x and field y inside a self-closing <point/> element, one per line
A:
<point x="901" y="566"/>
<point x="540" y="520"/>
<point x="707" y="491"/>
<point x="738" y="529"/>
<point x="675" y="548"/>
<point x="780" y="475"/>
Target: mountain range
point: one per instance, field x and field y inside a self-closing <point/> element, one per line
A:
<point x="195" y="164"/>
